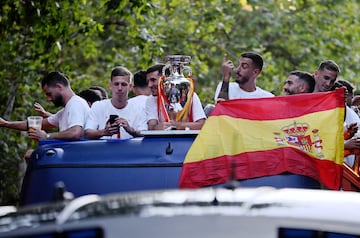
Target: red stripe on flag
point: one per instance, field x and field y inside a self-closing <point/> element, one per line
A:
<point x="258" y="164"/>
<point x="293" y="106"/>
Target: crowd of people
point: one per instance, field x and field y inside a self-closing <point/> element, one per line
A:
<point x="92" y="114"/>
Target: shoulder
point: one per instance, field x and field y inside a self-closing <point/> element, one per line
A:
<point x="100" y="105"/>
<point x="196" y="97"/>
<point x="233" y="85"/>
<point x="151" y="99"/>
<point x="263" y="92"/>
<point x="78" y="102"/>
<point x="139" y="99"/>
<point x="76" y="99"/>
<point x="351" y="116"/>
<point x="102" y="102"/>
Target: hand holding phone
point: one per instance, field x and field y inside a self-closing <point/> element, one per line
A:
<point x="112" y="119"/>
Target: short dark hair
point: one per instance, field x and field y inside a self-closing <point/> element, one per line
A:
<point x="349" y="87"/>
<point x="90" y="95"/>
<point x="256" y="59"/>
<point x="140" y="79"/>
<point x="307" y="78"/>
<point x="54" y="78"/>
<point x="156" y="67"/>
<point x="121" y="71"/>
<point x="329" y="65"/>
<point x="336" y="85"/>
<point x="103" y="92"/>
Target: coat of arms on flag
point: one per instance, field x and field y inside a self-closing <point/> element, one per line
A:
<point x="297" y="134"/>
<point x="300" y="134"/>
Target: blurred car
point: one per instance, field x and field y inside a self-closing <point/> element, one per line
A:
<point x="210" y="212"/>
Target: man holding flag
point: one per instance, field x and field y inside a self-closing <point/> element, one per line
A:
<point x="254" y="141"/>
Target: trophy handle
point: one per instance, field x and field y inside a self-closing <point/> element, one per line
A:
<point x="167" y="66"/>
<point x="188" y="70"/>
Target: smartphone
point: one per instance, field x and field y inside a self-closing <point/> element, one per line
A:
<point x="112" y="119"/>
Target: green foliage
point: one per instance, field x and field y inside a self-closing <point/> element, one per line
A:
<point x="85" y="39"/>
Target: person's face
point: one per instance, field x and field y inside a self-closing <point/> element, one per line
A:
<point x="153" y="79"/>
<point x="325" y="79"/>
<point x="246" y="71"/>
<point x="53" y="94"/>
<point x="120" y="87"/>
<point x="348" y="98"/>
<point x="293" y="85"/>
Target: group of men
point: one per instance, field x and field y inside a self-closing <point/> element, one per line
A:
<point x="121" y="117"/>
<point x="324" y="79"/>
<point x="115" y="117"/>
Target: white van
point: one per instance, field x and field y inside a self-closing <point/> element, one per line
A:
<point x="213" y="212"/>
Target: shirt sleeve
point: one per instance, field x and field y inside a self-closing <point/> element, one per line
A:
<point x="197" y="109"/>
<point x="54" y="119"/>
<point x="217" y="91"/>
<point x="77" y="113"/>
<point x="91" y="121"/>
<point x="151" y="109"/>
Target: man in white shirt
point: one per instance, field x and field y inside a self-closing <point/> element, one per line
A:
<point x="326" y="75"/>
<point x="250" y="67"/>
<point x="141" y="90"/>
<point x="156" y="120"/>
<point x="299" y="82"/>
<point x="129" y="119"/>
<point x="351" y="118"/>
<point x="70" y="120"/>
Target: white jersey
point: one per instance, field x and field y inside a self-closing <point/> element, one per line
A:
<point x="74" y="113"/>
<point x="139" y="100"/>
<point x="236" y="92"/>
<point x="101" y="111"/>
<point x="351" y="117"/>
<point x="152" y="110"/>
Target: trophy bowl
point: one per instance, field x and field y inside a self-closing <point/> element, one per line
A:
<point x="177" y="89"/>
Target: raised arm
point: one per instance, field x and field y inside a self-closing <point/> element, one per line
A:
<point x="41" y="110"/>
<point x="227" y="67"/>
<point x="16" y="125"/>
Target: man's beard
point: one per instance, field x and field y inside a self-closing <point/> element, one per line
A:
<point x="243" y="81"/>
<point x="154" y="92"/>
<point x="58" y="101"/>
<point x="287" y="92"/>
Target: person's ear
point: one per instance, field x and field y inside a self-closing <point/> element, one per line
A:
<point x="59" y="86"/>
<point x="303" y="89"/>
<point x="316" y="72"/>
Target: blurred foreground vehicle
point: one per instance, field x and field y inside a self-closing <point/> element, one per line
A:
<point x="208" y="212"/>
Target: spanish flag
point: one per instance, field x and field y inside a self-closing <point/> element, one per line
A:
<point x="248" y="138"/>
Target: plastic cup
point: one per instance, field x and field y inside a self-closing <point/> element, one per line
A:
<point x="34" y="122"/>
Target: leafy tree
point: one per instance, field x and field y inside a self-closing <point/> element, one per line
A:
<point x="35" y="36"/>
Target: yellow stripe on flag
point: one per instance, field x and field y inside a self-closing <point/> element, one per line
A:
<point x="224" y="135"/>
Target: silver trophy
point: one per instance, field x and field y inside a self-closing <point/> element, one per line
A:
<point x="177" y="88"/>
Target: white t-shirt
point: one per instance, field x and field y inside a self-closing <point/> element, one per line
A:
<point x="139" y="100"/>
<point x="236" y="92"/>
<point x="152" y="110"/>
<point x="351" y="117"/>
<point x="74" y="113"/>
<point x="101" y="110"/>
